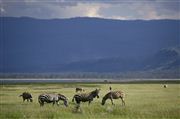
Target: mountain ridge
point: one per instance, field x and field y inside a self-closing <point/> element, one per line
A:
<point x="27" y="17"/>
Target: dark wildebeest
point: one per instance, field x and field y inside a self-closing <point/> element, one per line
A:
<point x="165" y="86"/>
<point x="114" y="95"/>
<point x="79" y="89"/>
<point x="26" y="96"/>
<point x="110" y="88"/>
<point x="84" y="97"/>
<point x="52" y="98"/>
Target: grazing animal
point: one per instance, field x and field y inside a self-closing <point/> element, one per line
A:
<point x="84" y="97"/>
<point x="26" y="96"/>
<point x="165" y="86"/>
<point x="79" y="89"/>
<point x="114" y="95"/>
<point x="52" y="98"/>
<point x="110" y="88"/>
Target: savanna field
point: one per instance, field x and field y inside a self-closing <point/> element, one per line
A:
<point x="143" y="101"/>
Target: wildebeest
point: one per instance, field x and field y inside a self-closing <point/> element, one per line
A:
<point x="165" y="86"/>
<point x="114" y="95"/>
<point x="79" y="89"/>
<point x="110" y="88"/>
<point x="84" y="97"/>
<point x="26" y="96"/>
<point x="52" y="98"/>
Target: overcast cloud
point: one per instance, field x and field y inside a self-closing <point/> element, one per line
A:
<point x="115" y="9"/>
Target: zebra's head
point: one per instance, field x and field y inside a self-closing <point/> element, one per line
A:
<point x="95" y="93"/>
<point x="66" y="103"/>
<point x="31" y="100"/>
<point x="103" y="101"/>
<point x="63" y="98"/>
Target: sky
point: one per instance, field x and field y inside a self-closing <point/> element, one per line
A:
<point x="108" y="9"/>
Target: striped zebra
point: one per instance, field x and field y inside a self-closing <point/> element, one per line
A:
<point x="52" y="98"/>
<point x="114" y="95"/>
<point x="26" y="96"/>
<point x="84" y="97"/>
<point x="79" y="89"/>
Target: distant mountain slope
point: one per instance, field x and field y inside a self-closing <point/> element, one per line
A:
<point x="85" y="44"/>
<point x="165" y="59"/>
<point x="103" y="65"/>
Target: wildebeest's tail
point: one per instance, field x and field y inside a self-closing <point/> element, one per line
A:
<point x="20" y="95"/>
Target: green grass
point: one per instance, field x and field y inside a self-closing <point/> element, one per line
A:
<point x="143" y="101"/>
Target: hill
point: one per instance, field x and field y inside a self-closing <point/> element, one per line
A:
<point x="31" y="45"/>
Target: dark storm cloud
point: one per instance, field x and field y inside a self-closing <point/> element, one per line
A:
<point x="113" y="9"/>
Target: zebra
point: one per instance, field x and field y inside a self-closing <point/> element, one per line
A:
<point x="114" y="95"/>
<point x="52" y="98"/>
<point x="84" y="97"/>
<point x="26" y="96"/>
<point x="79" y="89"/>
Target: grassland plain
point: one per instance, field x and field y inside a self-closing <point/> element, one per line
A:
<point x="143" y="101"/>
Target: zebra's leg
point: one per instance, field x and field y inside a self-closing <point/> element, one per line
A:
<point x="123" y="101"/>
<point x="111" y="100"/>
<point x="57" y="103"/>
<point x="89" y="102"/>
<point x="77" y="107"/>
<point x="54" y="102"/>
<point x="77" y="100"/>
<point x="42" y="103"/>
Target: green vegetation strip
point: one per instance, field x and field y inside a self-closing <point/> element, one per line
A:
<point x="143" y="101"/>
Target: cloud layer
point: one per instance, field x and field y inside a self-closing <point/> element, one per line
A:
<point x="116" y="9"/>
